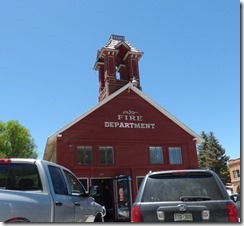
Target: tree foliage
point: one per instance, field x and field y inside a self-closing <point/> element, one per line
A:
<point x="211" y="155"/>
<point x="16" y="141"/>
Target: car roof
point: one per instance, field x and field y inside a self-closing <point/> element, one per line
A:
<point x="16" y="160"/>
<point x="180" y="171"/>
<point x="30" y="161"/>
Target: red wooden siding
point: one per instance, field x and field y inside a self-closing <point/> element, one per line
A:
<point x="131" y="145"/>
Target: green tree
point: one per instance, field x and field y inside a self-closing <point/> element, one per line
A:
<point x="211" y="155"/>
<point x="16" y="141"/>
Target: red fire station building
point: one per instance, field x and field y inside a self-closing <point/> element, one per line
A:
<point x="124" y="136"/>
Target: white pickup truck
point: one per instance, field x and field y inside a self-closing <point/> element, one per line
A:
<point x="40" y="191"/>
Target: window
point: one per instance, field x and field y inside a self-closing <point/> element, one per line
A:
<point x="156" y="155"/>
<point x="138" y="182"/>
<point x="20" y="176"/>
<point x="75" y="186"/>
<point x="58" y="181"/>
<point x="106" y="155"/>
<point x="236" y="173"/>
<point x="175" y="155"/>
<point x="84" y="182"/>
<point x="84" y="155"/>
<point x="165" y="187"/>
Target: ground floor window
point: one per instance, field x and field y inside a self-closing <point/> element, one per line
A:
<point x="156" y="155"/>
<point x="106" y="155"/>
<point x="84" y="182"/>
<point x="84" y="155"/>
<point x="138" y="182"/>
<point x="175" y="155"/>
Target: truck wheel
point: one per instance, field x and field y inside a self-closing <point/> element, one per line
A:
<point x="99" y="218"/>
<point x="17" y="220"/>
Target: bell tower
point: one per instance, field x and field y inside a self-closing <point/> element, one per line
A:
<point x="117" y="65"/>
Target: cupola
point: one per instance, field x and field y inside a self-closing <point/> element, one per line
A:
<point x="117" y="64"/>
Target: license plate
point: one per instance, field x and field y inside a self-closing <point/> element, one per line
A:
<point x="183" y="217"/>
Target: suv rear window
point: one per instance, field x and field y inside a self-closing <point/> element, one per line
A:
<point x="169" y="187"/>
<point x="19" y="176"/>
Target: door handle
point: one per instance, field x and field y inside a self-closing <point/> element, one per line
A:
<point x="77" y="204"/>
<point x="58" y="203"/>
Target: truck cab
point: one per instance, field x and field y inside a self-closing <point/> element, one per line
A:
<point x="28" y="186"/>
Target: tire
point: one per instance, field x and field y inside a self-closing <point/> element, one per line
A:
<point x="17" y="220"/>
<point x="99" y="218"/>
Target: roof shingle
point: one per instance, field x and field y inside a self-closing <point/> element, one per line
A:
<point x="116" y="40"/>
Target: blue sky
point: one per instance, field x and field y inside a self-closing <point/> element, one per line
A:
<point x="190" y="66"/>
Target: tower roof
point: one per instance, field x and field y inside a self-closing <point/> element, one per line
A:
<point x="113" y="44"/>
<point x="116" y="40"/>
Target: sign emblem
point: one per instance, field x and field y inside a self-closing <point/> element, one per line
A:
<point x="182" y="207"/>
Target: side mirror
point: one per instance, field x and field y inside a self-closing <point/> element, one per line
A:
<point x="233" y="197"/>
<point x="94" y="191"/>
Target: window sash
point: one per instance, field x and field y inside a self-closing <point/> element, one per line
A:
<point x="106" y="155"/>
<point x="84" y="155"/>
<point x="156" y="155"/>
<point x="175" y="156"/>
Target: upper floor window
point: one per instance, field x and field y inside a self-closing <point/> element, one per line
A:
<point x="236" y="173"/>
<point x="106" y="155"/>
<point x="175" y="155"/>
<point x="156" y="155"/>
<point x="84" y="155"/>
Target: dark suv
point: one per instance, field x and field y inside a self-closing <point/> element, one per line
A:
<point x="183" y="196"/>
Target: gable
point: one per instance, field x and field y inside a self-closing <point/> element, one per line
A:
<point x="126" y="115"/>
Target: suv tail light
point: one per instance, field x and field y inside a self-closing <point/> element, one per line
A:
<point x="232" y="212"/>
<point x="135" y="214"/>
<point x="5" y="161"/>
